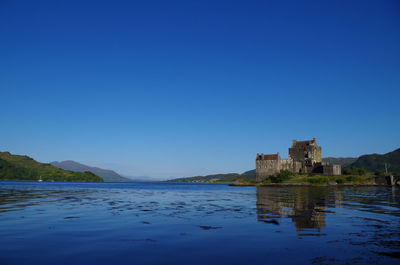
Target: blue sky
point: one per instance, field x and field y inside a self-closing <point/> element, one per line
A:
<point x="182" y="88"/>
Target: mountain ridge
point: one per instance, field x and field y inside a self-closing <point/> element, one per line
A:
<point x="373" y="162"/>
<point x="107" y="175"/>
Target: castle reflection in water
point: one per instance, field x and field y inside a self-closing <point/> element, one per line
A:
<point x="305" y="206"/>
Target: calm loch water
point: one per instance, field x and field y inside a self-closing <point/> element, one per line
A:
<point x="167" y="223"/>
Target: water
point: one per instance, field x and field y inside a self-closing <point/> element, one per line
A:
<point x="167" y="223"/>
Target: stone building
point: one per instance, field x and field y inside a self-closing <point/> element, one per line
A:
<point x="304" y="157"/>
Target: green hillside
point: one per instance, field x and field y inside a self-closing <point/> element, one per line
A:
<point x="16" y="167"/>
<point x="248" y="176"/>
<point x="375" y="162"/>
<point x="343" y="161"/>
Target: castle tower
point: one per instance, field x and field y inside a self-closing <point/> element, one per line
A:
<point x="306" y="152"/>
<point x="267" y="165"/>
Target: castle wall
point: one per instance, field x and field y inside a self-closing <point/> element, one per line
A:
<point x="297" y="166"/>
<point x="289" y="164"/>
<point x="266" y="168"/>
<point x="286" y="164"/>
<point x="332" y="170"/>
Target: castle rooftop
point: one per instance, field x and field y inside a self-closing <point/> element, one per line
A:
<point x="268" y="157"/>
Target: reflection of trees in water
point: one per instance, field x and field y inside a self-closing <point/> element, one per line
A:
<point x="304" y="205"/>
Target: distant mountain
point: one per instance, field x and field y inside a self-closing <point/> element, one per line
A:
<point x="106" y="174"/>
<point x="17" y="167"/>
<point x="143" y="179"/>
<point x="343" y="161"/>
<point x="375" y="162"/>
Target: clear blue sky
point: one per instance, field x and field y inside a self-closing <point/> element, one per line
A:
<point x="182" y="88"/>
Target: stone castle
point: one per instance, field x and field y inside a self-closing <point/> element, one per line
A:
<point x="304" y="157"/>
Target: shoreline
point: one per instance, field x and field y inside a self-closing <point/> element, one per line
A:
<point x="310" y="185"/>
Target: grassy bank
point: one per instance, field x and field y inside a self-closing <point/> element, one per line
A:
<point x="351" y="176"/>
<point x="288" y="178"/>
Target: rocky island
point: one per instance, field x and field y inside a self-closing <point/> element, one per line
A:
<point x="304" y="166"/>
